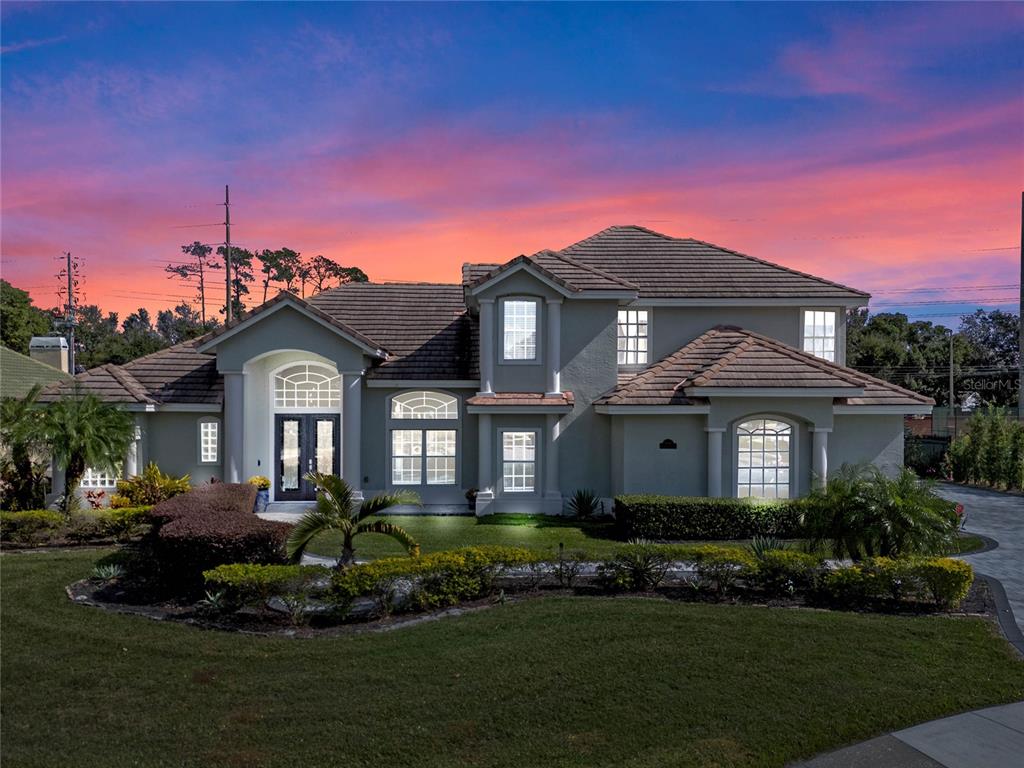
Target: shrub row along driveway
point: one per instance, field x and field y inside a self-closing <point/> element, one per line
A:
<point x="998" y="516"/>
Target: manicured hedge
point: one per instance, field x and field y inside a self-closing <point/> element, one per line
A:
<point x="30" y="526"/>
<point x="253" y="584"/>
<point x="209" y="526"/>
<point x="942" y="581"/>
<point x="684" y="517"/>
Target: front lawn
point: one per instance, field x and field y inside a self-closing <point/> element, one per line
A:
<point x="552" y="681"/>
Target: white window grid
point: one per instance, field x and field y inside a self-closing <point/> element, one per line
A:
<point x="519" y="462"/>
<point x="519" y="323"/>
<point x="209" y="438"/>
<point x="409" y="449"/>
<point x="763" y="451"/>
<point x="307" y="386"/>
<point x="95" y="478"/>
<point x="633" y="337"/>
<point x="424" y="405"/>
<point x="820" y="333"/>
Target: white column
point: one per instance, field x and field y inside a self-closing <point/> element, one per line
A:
<point x="552" y="490"/>
<point x="486" y="346"/>
<point x="485" y="463"/>
<point x="234" y="426"/>
<point x="352" y="431"/>
<point x="715" y="460"/>
<point x="819" y="456"/>
<point x="554" y="346"/>
<point x="131" y="462"/>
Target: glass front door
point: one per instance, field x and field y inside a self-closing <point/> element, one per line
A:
<point x="305" y="442"/>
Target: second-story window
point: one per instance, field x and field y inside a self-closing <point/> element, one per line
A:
<point x="519" y="329"/>
<point x="633" y="335"/>
<point x="819" y="333"/>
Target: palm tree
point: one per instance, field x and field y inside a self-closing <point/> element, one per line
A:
<point x="23" y="469"/>
<point x="83" y="431"/>
<point x="336" y="510"/>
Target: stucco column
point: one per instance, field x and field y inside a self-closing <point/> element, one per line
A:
<point x="131" y="461"/>
<point x="234" y="426"/>
<point x="486" y="346"/>
<point x="552" y="489"/>
<point x="485" y="463"/>
<point x="352" y="431"/>
<point x="715" y="460"/>
<point x="819" y="456"/>
<point x="554" y="345"/>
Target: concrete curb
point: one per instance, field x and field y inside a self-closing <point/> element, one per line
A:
<point x="1004" y="613"/>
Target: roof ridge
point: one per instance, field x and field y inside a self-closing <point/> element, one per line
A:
<point x="661" y="365"/>
<point x="594" y="270"/>
<point x="705" y="375"/>
<point x="129" y="382"/>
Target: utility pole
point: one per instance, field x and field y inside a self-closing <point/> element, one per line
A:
<point x="952" y="403"/>
<point x="1020" y="321"/>
<point x="227" y="254"/>
<point x="70" y="320"/>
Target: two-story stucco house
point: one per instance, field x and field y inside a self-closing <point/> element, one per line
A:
<point x="630" y="361"/>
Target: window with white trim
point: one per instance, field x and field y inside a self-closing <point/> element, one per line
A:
<point x="209" y="441"/>
<point x="519" y="462"/>
<point x="763" y="450"/>
<point x="519" y="328"/>
<point x="307" y="385"/>
<point x="819" y="333"/>
<point x="409" y="448"/>
<point x="424" y="405"/>
<point x="96" y="478"/>
<point x="406" y="456"/>
<point x="633" y="336"/>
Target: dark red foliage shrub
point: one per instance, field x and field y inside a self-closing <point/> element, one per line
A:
<point x="209" y="526"/>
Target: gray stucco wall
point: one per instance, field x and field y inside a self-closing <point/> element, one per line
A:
<point x="647" y="468"/>
<point x="877" y="439"/>
<point x="172" y="441"/>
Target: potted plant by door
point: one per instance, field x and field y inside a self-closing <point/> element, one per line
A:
<point x="262" y="492"/>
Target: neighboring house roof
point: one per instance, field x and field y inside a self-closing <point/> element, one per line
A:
<point x="425" y="327"/>
<point x="19" y="373"/>
<point x="178" y="374"/>
<point x="727" y="358"/>
<point x="679" y="268"/>
<point x="560" y="269"/>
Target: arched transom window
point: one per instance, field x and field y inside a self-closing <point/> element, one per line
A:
<point x="763" y="450"/>
<point x="424" y="405"/>
<point x="307" y="385"/>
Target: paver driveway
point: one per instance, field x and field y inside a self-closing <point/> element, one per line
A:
<point x="999" y="516"/>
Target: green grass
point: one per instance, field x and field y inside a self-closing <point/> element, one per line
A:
<point x="543" y="534"/>
<point x="553" y="682"/>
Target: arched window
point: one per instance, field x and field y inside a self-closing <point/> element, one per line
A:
<point x="424" y="405"/>
<point x="763" y="450"/>
<point x="307" y="385"/>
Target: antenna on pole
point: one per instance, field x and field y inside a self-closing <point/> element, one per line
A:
<point x="70" y="320"/>
<point x="227" y="254"/>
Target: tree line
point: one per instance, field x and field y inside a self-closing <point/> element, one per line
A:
<point x="102" y="337"/>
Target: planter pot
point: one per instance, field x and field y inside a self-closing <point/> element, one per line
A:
<point x="262" y="500"/>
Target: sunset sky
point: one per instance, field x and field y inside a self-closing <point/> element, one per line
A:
<point x="878" y="145"/>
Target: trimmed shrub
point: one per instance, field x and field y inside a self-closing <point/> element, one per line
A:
<point x="209" y="526"/>
<point x="946" y="579"/>
<point x="783" y="571"/>
<point x="124" y="522"/>
<point x="683" y="517"/>
<point x="942" y="581"/>
<point x="150" y="487"/>
<point x="253" y="584"/>
<point x="717" y="568"/>
<point x="31" y="526"/>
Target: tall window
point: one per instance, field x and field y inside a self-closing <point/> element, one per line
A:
<point x="820" y="333"/>
<point x="763" y="459"/>
<point x="96" y="478"/>
<point x="519" y="462"/>
<point x="424" y="456"/>
<point x="632" y="337"/>
<point x="209" y="441"/>
<point x="519" y="324"/>
<point x="307" y="385"/>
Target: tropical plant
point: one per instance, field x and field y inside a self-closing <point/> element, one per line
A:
<point x="639" y="566"/>
<point x="584" y="503"/>
<point x="337" y="510"/>
<point x="82" y="431"/>
<point x="150" y="487"/>
<point x="761" y="545"/>
<point x="861" y="513"/>
<point x="22" y="467"/>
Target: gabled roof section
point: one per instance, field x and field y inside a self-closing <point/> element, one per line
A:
<point x="426" y="328"/>
<point x="729" y="359"/>
<point x="664" y="267"/>
<point x="19" y="373"/>
<point x="562" y="272"/>
<point x="286" y="299"/>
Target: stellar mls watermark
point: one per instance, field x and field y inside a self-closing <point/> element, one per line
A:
<point x="1007" y="384"/>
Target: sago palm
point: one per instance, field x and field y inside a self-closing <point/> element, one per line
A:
<point x="336" y="510"/>
<point x="82" y="431"/>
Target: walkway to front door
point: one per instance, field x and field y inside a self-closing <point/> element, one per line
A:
<point x="304" y="442"/>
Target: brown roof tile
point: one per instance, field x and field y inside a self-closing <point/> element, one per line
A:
<point x="522" y="398"/>
<point x="557" y="267"/>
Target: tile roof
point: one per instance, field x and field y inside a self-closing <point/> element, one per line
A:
<point x="523" y="398"/>
<point x="425" y="327"/>
<point x="557" y="267"/>
<point x="728" y="357"/>
<point x="19" y="373"/>
<point x="670" y="267"/>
